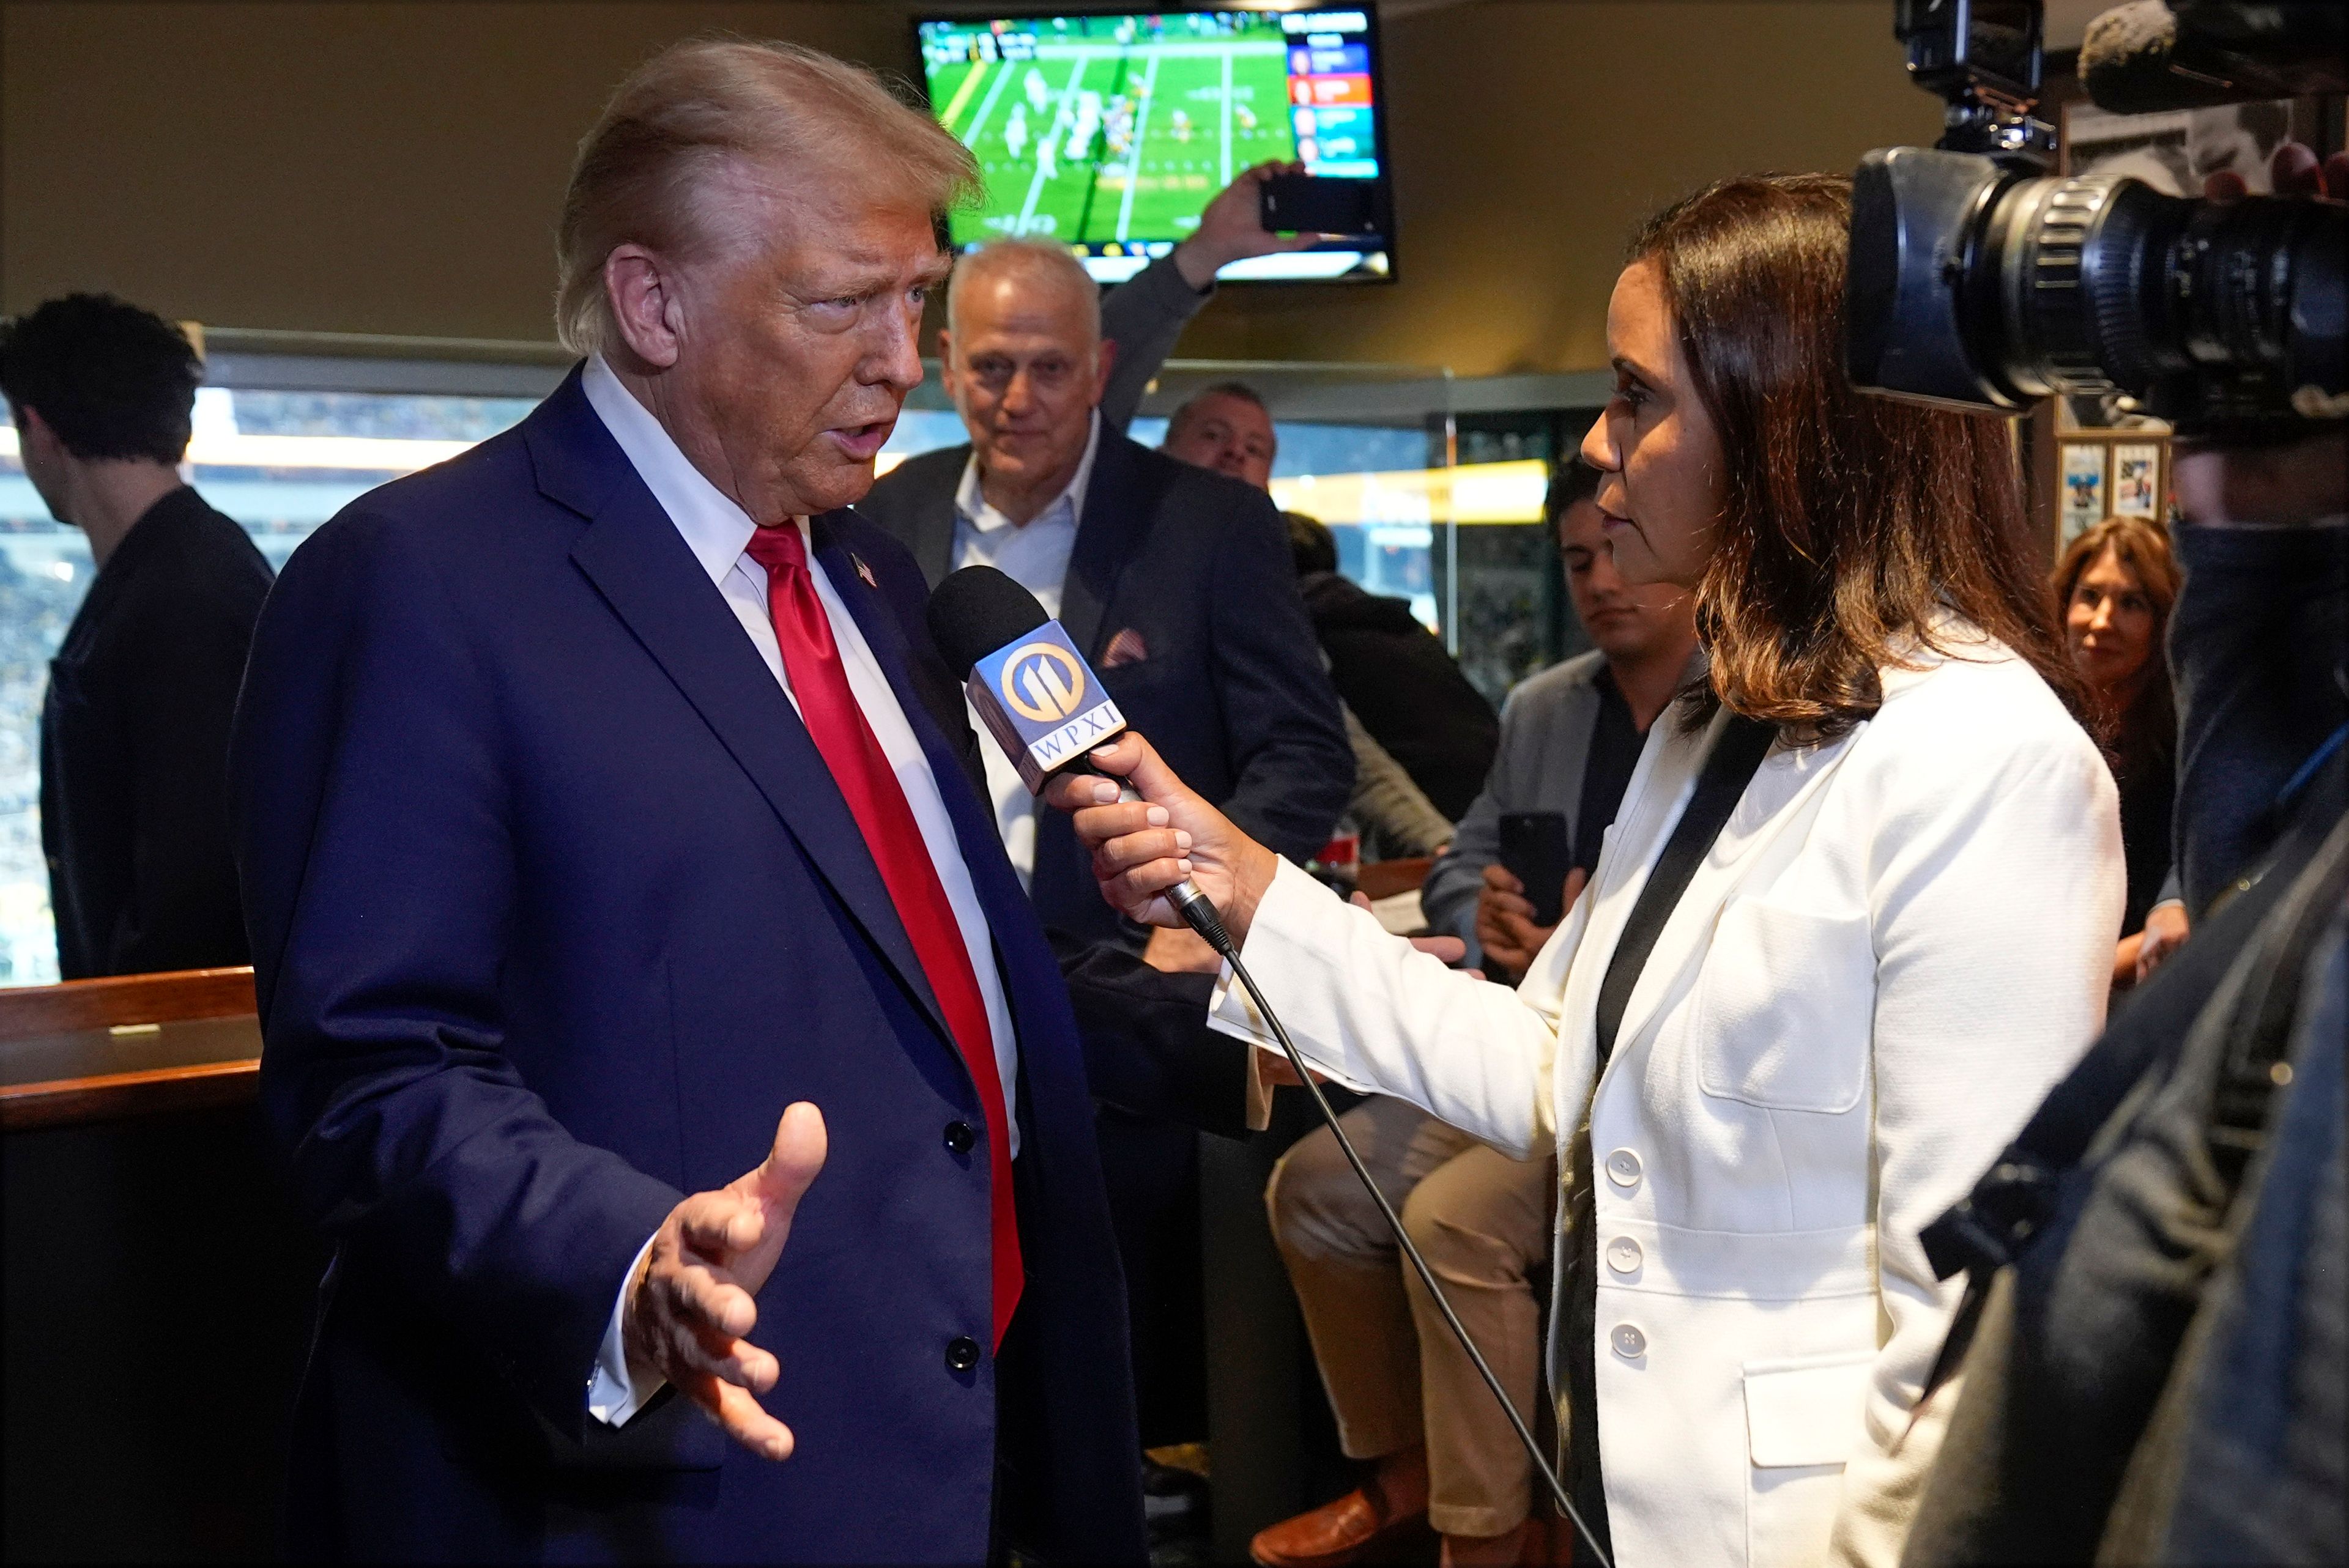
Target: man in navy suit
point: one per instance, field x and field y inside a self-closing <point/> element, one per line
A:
<point x="599" y="797"/>
<point x="1176" y="584"/>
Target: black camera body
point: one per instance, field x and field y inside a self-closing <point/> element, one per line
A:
<point x="1977" y="280"/>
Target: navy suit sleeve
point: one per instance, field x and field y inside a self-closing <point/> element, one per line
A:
<point x="1294" y="769"/>
<point x="1148" y="1049"/>
<point x="373" y="810"/>
<point x="1144" y="316"/>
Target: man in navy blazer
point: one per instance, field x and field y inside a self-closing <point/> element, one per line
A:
<point x="1176" y="584"/>
<point x="559" y="897"/>
<point x="1175" y="581"/>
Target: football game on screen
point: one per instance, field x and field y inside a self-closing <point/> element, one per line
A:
<point x="1111" y="132"/>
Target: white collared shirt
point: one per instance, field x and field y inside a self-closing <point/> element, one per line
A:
<point x="1034" y="554"/>
<point x="718" y="531"/>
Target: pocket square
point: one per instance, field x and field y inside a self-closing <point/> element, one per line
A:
<point x="1126" y="648"/>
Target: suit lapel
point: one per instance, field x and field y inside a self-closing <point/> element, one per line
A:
<point x="1116" y="520"/>
<point x="998" y="886"/>
<point x="934" y="526"/>
<point x="641" y="565"/>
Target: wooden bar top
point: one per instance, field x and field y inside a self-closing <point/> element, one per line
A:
<point x="96" y="1050"/>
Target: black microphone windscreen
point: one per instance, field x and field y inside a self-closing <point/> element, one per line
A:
<point x="976" y="611"/>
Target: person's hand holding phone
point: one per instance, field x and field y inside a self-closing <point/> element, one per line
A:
<point x="1505" y="927"/>
<point x="1231" y="228"/>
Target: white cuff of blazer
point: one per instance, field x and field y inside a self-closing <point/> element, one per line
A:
<point x="1285" y="918"/>
<point x="612" y="1395"/>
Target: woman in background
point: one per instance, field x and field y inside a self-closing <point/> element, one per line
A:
<point x="1899" y="938"/>
<point x="2115" y="585"/>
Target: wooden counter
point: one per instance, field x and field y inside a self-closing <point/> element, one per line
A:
<point x="99" y="1050"/>
<point x="157" y="1282"/>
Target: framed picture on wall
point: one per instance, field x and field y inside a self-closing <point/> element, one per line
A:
<point x="2084" y="488"/>
<point x="2137" y="479"/>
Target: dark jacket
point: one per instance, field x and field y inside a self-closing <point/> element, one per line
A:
<point x="1402" y="685"/>
<point x="1191" y="569"/>
<point x="134" y="749"/>
<point x="2107" y="1243"/>
<point x="555" y="907"/>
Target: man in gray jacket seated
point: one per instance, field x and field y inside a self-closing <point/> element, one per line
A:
<point x="1404" y="1395"/>
<point x="1569" y="736"/>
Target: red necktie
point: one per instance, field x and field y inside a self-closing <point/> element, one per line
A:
<point x="858" y="765"/>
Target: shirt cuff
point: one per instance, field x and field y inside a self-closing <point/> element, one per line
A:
<point x="612" y="1395"/>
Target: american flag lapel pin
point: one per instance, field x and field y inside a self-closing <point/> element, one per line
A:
<point x="862" y="570"/>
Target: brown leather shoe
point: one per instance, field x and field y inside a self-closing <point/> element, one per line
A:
<point x="1334" y="1533"/>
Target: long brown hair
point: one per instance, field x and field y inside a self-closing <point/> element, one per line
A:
<point x="1850" y="522"/>
<point x="2141" y="736"/>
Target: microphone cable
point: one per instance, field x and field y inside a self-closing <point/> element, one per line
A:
<point x="1199" y="912"/>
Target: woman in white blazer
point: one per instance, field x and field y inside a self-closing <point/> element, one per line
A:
<point x="1899" y="940"/>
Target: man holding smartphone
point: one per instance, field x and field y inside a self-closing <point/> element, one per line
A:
<point x="1569" y="738"/>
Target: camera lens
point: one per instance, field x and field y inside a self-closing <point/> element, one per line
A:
<point x="1975" y="284"/>
<point x="2198" y="309"/>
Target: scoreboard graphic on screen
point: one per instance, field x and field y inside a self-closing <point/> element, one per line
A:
<point x="1109" y="133"/>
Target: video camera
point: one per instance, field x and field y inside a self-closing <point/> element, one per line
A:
<point x="1979" y="279"/>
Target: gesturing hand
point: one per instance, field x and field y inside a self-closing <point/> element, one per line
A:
<point x="691" y="1309"/>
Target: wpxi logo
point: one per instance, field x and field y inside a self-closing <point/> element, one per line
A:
<point x="1043" y="682"/>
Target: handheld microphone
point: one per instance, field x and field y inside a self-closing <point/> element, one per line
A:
<point x="1033" y="690"/>
<point x="1048" y="711"/>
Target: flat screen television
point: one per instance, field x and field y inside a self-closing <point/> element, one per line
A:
<point x="1108" y="131"/>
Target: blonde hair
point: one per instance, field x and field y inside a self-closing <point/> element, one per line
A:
<point x="1032" y="259"/>
<point x="687" y="114"/>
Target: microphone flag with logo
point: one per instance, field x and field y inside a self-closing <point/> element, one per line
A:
<point x="1025" y="677"/>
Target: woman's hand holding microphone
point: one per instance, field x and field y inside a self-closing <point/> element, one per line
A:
<point x="1142" y="848"/>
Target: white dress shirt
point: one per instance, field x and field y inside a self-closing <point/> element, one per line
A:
<point x="1034" y="554"/>
<point x="718" y="531"/>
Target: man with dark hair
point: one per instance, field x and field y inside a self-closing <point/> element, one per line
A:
<point x="1405" y="1398"/>
<point x="1226" y="428"/>
<point x="134" y="737"/>
<point x="1569" y="736"/>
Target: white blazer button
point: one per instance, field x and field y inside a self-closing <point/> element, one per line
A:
<point x="1628" y="1342"/>
<point x="1623" y="1169"/>
<point x="1623" y="1255"/>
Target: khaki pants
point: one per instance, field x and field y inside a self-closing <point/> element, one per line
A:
<point x="1396" y="1375"/>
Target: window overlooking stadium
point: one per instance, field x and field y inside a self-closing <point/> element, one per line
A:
<point x="1364" y="451"/>
<point x="280" y="463"/>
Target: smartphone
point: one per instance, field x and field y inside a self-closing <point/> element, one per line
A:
<point x="1306" y="204"/>
<point x="1536" y="851"/>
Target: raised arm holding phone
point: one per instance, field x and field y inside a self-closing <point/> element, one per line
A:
<point x="1762" y="1088"/>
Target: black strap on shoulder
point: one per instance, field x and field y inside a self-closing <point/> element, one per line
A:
<point x="1734" y="760"/>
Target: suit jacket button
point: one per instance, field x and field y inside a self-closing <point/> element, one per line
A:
<point x="959" y="1137"/>
<point x="962" y="1353"/>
